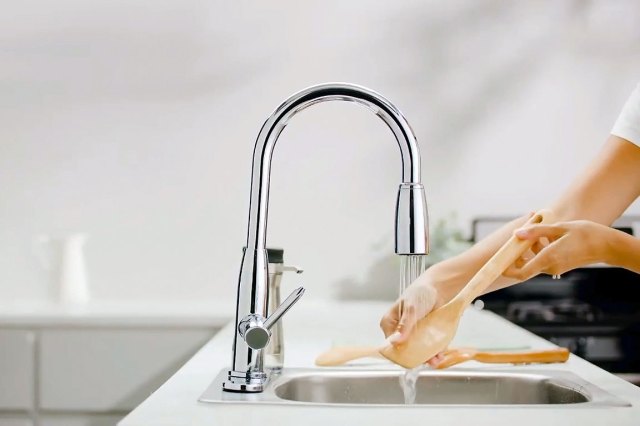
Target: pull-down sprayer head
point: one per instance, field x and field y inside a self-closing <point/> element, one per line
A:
<point x="412" y="222"/>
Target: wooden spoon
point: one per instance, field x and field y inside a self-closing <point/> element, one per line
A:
<point x="342" y="354"/>
<point x="456" y="356"/>
<point x="434" y="332"/>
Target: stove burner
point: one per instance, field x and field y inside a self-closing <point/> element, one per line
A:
<point x="551" y="311"/>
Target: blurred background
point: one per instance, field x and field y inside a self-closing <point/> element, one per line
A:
<point x="134" y="122"/>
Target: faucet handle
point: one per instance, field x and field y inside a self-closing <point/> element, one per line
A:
<point x="254" y="328"/>
<point x="284" y="306"/>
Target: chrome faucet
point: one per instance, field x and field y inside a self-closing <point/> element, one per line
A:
<point x="252" y="333"/>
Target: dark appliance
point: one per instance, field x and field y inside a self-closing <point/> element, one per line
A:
<point x="594" y="311"/>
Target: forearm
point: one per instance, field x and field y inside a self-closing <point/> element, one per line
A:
<point x="624" y="252"/>
<point x="451" y="275"/>
<point x="590" y="196"/>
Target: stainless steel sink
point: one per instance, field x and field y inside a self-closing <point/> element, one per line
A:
<point x="504" y="388"/>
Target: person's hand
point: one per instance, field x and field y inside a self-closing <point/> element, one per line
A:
<point x="418" y="300"/>
<point x="561" y="247"/>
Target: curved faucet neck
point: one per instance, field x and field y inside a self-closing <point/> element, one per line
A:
<point x="275" y="124"/>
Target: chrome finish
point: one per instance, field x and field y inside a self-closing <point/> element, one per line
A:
<point x="284" y="307"/>
<point x="254" y="328"/>
<point x="411" y="214"/>
<point x="255" y="331"/>
<point x="499" y="388"/>
<point x="254" y="381"/>
<point x="412" y="222"/>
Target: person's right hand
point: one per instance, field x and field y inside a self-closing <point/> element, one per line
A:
<point x="420" y="298"/>
<point x="563" y="246"/>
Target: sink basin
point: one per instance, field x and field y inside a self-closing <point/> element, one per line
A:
<point x="501" y="388"/>
<point x="431" y="388"/>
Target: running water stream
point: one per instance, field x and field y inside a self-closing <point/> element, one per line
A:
<point x="408" y="383"/>
<point x="411" y="266"/>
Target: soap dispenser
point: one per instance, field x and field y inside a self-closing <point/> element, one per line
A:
<point x="274" y="352"/>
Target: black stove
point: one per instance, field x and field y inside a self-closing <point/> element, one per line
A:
<point x="560" y="311"/>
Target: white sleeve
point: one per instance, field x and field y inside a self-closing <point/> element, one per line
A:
<point x="627" y="125"/>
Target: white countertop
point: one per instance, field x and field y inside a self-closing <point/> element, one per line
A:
<point x="311" y="328"/>
<point x="117" y="313"/>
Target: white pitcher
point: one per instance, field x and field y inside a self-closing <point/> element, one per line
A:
<point x="65" y="258"/>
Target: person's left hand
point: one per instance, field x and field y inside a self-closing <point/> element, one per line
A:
<point x="561" y="247"/>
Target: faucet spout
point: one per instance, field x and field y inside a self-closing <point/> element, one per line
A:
<point x="246" y="374"/>
<point x="275" y="124"/>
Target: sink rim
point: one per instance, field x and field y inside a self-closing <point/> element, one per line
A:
<point x="597" y="396"/>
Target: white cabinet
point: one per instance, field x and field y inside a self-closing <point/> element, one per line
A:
<point x="16" y="371"/>
<point x="102" y="370"/>
<point x="80" y="420"/>
<point x="88" y="375"/>
<point x="15" y="421"/>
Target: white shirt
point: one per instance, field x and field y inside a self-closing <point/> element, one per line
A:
<point x="627" y="125"/>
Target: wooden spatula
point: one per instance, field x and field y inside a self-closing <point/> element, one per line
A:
<point x="434" y="332"/>
<point x="343" y="354"/>
<point x="339" y="355"/>
<point x="452" y="357"/>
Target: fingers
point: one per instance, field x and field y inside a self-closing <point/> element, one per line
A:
<point x="545" y="261"/>
<point x="393" y="328"/>
<point x="397" y="330"/>
<point x="542" y="235"/>
<point x="537" y="247"/>
<point x="400" y="321"/>
<point x="407" y="322"/>
<point x="435" y="360"/>
<point x="535" y="232"/>
<point x="397" y="327"/>
<point x="389" y="322"/>
<point x="515" y="271"/>
<point x="519" y="263"/>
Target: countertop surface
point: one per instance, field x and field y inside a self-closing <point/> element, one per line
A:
<point x="310" y="328"/>
<point x="116" y="313"/>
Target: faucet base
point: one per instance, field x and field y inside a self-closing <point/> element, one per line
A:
<point x="238" y="381"/>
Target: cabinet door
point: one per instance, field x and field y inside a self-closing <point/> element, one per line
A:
<point x="16" y="370"/>
<point x="107" y="370"/>
<point x="15" y="421"/>
<point x="80" y="420"/>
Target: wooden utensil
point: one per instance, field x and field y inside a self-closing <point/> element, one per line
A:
<point x="434" y="332"/>
<point x="342" y="354"/>
<point x="456" y="356"/>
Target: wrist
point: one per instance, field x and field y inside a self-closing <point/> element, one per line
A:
<point x="441" y="287"/>
<point x="612" y="249"/>
<point x="621" y="246"/>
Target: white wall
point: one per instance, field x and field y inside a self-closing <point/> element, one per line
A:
<point x="135" y="120"/>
